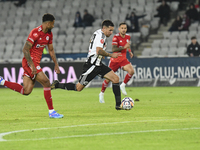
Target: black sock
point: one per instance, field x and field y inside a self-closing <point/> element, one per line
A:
<point x="68" y="86"/>
<point x="117" y="93"/>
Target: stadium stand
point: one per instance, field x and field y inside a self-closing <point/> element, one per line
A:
<point x="173" y="44"/>
<point x="17" y="22"/>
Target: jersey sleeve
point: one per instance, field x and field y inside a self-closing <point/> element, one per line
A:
<point x="51" y="38"/>
<point x="99" y="41"/>
<point x="33" y="36"/>
<point x="115" y="41"/>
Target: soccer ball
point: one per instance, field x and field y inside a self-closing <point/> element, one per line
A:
<point x="127" y="103"/>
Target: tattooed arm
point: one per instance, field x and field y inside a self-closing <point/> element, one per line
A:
<point x="117" y="49"/>
<point x="101" y="52"/>
<point x="26" y="51"/>
<point x="53" y="57"/>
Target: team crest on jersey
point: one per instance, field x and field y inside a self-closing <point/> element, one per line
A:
<point x="102" y="41"/>
<point x="38" y="67"/>
<point x="47" y="38"/>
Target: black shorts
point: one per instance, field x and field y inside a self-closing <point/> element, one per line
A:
<point x="90" y="71"/>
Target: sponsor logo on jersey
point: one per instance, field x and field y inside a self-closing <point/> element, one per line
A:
<point x="102" y="41"/>
<point x="38" y="46"/>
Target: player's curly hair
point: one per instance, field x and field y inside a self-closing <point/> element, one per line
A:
<point x="48" y="17"/>
<point x="107" y="23"/>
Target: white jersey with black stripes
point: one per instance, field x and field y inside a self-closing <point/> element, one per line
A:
<point x="98" y="39"/>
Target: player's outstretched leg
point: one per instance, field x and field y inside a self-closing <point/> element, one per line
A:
<point x="66" y="86"/>
<point x="54" y="84"/>
<point x="12" y="85"/>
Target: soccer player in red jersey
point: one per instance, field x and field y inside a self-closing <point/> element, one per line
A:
<point x="38" y="39"/>
<point x="120" y="44"/>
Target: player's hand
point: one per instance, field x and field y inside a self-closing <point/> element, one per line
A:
<point x="127" y="46"/>
<point x="57" y="69"/>
<point x="115" y="55"/>
<point x="131" y="54"/>
<point x="34" y="70"/>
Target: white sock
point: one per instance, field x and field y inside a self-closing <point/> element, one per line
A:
<point x="51" y="110"/>
<point x="123" y="84"/>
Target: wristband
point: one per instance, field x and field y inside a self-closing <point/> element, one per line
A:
<point x="129" y="50"/>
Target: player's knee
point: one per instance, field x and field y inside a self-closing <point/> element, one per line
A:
<point x="115" y="79"/>
<point x="46" y="83"/>
<point x="131" y="72"/>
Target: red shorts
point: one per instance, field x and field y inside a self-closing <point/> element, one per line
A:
<point x="116" y="65"/>
<point x="27" y="69"/>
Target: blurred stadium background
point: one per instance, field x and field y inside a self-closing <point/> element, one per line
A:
<point x="152" y="41"/>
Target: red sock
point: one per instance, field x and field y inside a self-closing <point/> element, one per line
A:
<point x="104" y="86"/>
<point x="14" y="86"/>
<point x="127" y="78"/>
<point x="47" y="96"/>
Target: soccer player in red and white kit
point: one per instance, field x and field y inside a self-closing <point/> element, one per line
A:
<point x="38" y="39"/>
<point x="120" y="44"/>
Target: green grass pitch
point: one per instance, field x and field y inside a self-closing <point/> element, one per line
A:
<point x="164" y="118"/>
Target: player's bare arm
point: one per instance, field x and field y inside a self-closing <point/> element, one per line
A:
<point x="26" y="51"/>
<point x="117" y="49"/>
<point x="101" y="52"/>
<point x="130" y="53"/>
<point x="53" y="57"/>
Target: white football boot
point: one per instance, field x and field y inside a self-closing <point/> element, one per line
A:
<point x="122" y="88"/>
<point x="101" y="97"/>
<point x="2" y="81"/>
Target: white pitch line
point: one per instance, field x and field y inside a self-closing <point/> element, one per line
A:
<point x="11" y="132"/>
<point x="115" y="133"/>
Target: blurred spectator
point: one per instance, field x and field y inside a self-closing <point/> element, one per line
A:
<point x="194" y="48"/>
<point x="20" y="3"/>
<point x="163" y="12"/>
<point x="88" y="19"/>
<point x="176" y="24"/>
<point x="78" y="20"/>
<point x="185" y="23"/>
<point x="192" y="13"/>
<point x="134" y="25"/>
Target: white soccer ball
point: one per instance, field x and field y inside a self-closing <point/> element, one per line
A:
<point x="127" y="103"/>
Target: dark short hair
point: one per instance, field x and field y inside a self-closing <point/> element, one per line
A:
<point x="122" y="23"/>
<point x="107" y="23"/>
<point x="194" y="37"/>
<point x="48" y="17"/>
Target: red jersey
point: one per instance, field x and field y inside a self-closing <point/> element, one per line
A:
<point x="120" y="42"/>
<point x="39" y="40"/>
